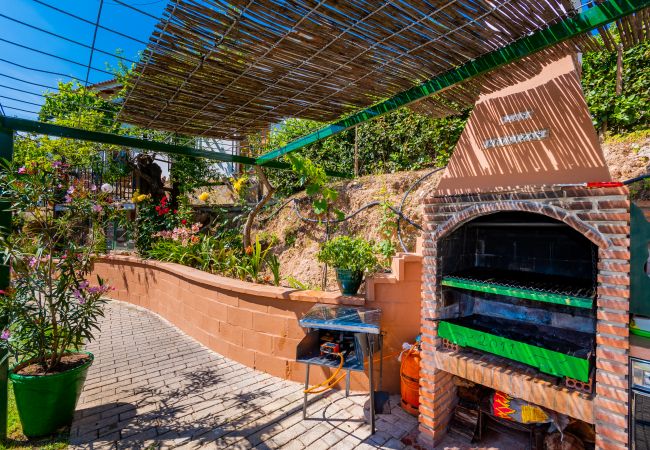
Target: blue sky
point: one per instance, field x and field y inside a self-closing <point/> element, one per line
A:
<point x="113" y="16"/>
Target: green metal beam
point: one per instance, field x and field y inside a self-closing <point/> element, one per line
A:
<point x="32" y="126"/>
<point x="588" y="20"/>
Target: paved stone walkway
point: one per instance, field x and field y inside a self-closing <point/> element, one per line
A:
<point x="153" y="387"/>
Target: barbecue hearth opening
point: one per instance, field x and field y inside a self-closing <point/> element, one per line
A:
<point x="522" y="286"/>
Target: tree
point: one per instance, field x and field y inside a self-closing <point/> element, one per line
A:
<point x="79" y="107"/>
<point x="72" y="106"/>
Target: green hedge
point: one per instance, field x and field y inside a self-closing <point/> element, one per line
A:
<point x="401" y="140"/>
<point x="618" y="113"/>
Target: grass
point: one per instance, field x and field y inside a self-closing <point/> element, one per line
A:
<point x="16" y="440"/>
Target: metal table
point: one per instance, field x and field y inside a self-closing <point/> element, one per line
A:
<point x="360" y="323"/>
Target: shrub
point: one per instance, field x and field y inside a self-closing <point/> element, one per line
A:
<point x="400" y="140"/>
<point x="50" y="307"/>
<point x="154" y="218"/>
<point x="344" y="252"/>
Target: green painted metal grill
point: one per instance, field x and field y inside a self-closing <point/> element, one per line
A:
<point x="552" y="351"/>
<point x="522" y="287"/>
<point x="537" y="287"/>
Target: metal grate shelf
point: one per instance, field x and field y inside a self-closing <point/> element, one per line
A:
<point x="532" y="286"/>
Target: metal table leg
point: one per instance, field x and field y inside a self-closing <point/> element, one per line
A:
<point x="381" y="361"/>
<point x="372" y="385"/>
<point x="304" y="404"/>
<point x="347" y="384"/>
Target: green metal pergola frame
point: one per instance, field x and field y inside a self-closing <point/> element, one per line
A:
<point x="584" y="22"/>
<point x="32" y="126"/>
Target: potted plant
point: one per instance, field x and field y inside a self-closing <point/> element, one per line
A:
<point x="50" y="309"/>
<point x="350" y="257"/>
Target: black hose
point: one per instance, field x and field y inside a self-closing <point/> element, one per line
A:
<point x="401" y="206"/>
<point x="277" y="211"/>
<point x="350" y="216"/>
<point x="635" y="179"/>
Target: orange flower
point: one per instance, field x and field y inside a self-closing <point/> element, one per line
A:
<point x="249" y="250"/>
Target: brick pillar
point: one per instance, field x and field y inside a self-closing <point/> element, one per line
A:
<point x="612" y="333"/>
<point x="437" y="401"/>
<point x="437" y="391"/>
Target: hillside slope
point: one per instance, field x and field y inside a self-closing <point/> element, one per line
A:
<point x="298" y="241"/>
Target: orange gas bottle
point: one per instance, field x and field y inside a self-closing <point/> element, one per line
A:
<point x="410" y="376"/>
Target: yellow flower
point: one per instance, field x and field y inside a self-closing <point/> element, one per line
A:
<point x="137" y="198"/>
<point x="238" y="184"/>
<point x="204" y="196"/>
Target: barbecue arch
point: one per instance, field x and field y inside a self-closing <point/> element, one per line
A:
<point x="554" y="212"/>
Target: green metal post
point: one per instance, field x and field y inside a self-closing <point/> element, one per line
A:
<point x="6" y="152"/>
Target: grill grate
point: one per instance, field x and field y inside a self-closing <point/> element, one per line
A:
<point x="535" y="282"/>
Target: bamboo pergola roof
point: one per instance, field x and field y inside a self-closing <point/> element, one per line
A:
<point x="226" y="69"/>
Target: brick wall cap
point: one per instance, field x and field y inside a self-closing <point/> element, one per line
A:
<point x="233" y="285"/>
<point x="538" y="190"/>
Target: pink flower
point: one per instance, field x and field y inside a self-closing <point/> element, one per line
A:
<point x="84" y="284"/>
<point x="93" y="188"/>
<point x="71" y="190"/>
<point x="32" y="262"/>
<point x="6" y="334"/>
<point x="2" y="292"/>
<point x="97" y="208"/>
<point x="57" y="164"/>
<point x="22" y="170"/>
<point x="68" y="199"/>
<point x="98" y="289"/>
<point x="80" y="298"/>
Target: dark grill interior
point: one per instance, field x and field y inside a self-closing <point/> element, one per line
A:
<point x="521" y="242"/>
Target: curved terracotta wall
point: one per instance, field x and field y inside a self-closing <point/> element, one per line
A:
<point x="257" y="325"/>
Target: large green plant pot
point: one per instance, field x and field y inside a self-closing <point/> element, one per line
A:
<point x="47" y="403"/>
<point x="349" y="280"/>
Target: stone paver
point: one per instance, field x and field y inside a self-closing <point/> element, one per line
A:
<point x="153" y="387"/>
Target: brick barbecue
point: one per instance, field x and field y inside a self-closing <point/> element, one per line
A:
<point x="525" y="285"/>
<point x="602" y="217"/>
